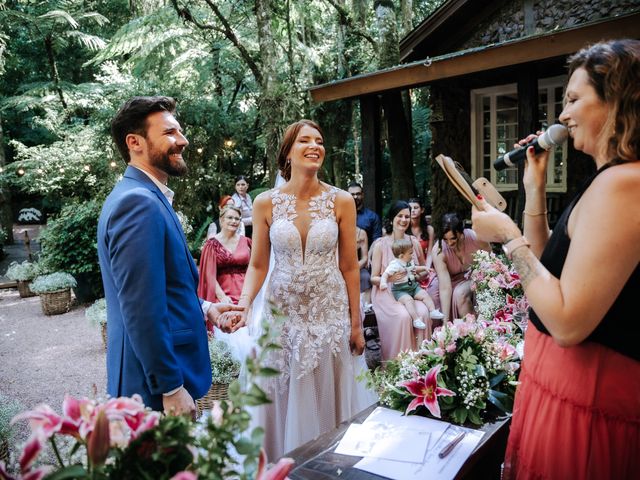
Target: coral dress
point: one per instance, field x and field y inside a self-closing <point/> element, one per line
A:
<point x="394" y="322"/>
<point x="229" y="268"/>
<point x="457" y="270"/>
<point x="317" y="388"/>
<point x="577" y="409"/>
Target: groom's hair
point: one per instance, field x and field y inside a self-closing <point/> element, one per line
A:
<point x="132" y="118"/>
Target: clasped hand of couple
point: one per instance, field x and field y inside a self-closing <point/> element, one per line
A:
<point x="226" y="316"/>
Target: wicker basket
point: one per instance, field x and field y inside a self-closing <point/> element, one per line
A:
<point x="103" y="330"/>
<point x="55" y="303"/>
<point x="218" y="391"/>
<point x="24" y="290"/>
<point x="4" y="451"/>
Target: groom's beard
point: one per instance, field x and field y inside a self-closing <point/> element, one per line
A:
<point x="174" y="167"/>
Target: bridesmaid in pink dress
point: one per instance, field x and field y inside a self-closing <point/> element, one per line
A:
<point x="224" y="261"/>
<point x="452" y="257"/>
<point x="394" y="322"/>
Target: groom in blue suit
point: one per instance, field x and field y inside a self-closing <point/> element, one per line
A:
<point x="157" y="339"/>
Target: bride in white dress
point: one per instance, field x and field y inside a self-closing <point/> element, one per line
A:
<point x="310" y="227"/>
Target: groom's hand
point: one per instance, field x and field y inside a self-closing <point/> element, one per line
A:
<point x="180" y="403"/>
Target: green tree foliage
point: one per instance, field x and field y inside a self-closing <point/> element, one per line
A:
<point x="240" y="70"/>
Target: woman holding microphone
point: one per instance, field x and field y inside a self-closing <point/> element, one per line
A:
<point x="577" y="409"/>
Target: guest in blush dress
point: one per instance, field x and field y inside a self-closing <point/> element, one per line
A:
<point x="395" y="325"/>
<point x="452" y="257"/>
<point x="224" y="261"/>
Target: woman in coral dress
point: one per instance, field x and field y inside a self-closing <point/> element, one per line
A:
<point x="577" y="409"/>
<point x="224" y="261"/>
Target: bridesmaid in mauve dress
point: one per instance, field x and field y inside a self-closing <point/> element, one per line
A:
<point x="453" y="255"/>
<point x="224" y="260"/>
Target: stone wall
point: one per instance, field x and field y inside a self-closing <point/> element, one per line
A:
<point x="508" y="23"/>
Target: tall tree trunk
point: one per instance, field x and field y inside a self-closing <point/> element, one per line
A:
<point x="270" y="105"/>
<point x="398" y="128"/>
<point x="406" y="13"/>
<point x="6" y="218"/>
<point x="48" y="45"/>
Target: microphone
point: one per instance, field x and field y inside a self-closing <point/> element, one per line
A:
<point x="555" y="135"/>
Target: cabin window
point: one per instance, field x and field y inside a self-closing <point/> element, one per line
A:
<point x="494" y="130"/>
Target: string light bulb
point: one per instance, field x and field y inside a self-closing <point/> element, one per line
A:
<point x="61" y="170"/>
<point x="20" y="171"/>
<point x="112" y="164"/>
<point x="87" y="168"/>
<point x="199" y="150"/>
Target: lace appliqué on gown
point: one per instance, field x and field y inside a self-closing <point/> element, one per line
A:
<point x="307" y="288"/>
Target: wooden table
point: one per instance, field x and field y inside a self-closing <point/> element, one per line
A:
<point x="316" y="461"/>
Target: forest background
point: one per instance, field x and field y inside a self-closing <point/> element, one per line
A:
<point x="240" y="70"/>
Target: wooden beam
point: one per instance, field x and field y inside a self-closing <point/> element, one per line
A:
<point x="515" y="52"/>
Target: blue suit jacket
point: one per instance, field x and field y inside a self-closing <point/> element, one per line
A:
<point x="156" y="333"/>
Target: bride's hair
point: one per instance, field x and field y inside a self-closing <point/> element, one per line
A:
<point x="290" y="135"/>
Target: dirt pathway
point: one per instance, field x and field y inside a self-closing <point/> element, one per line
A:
<point x="42" y="358"/>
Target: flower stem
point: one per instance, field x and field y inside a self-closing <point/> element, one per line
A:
<point x="56" y="451"/>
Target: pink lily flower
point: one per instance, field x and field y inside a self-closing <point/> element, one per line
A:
<point x="43" y="421"/>
<point x="185" y="475"/>
<point x="30" y="452"/>
<point x="99" y="439"/>
<point x="426" y="391"/>
<point x="278" y="472"/>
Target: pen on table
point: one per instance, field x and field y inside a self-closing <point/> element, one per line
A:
<point x="451" y="445"/>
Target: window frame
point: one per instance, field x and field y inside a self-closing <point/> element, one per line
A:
<point x="477" y="96"/>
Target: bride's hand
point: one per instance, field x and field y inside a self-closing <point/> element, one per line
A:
<point x="356" y="342"/>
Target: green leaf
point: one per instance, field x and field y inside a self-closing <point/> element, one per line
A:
<point x="474" y="416"/>
<point x="500" y="400"/>
<point x="244" y="446"/>
<point x="496" y="379"/>
<point x="459" y="415"/>
<point x="269" y="372"/>
<point x="72" y="471"/>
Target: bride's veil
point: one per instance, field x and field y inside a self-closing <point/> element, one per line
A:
<point x="242" y="343"/>
<point x="255" y="315"/>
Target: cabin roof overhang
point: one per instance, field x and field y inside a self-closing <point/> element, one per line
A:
<point x="514" y="52"/>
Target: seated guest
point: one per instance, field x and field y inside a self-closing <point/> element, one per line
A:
<point x="452" y="257"/>
<point x="395" y="325"/>
<point x="224" y="260"/>
<point x="214" y="226"/>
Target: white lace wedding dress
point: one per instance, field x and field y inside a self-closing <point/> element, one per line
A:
<point x="317" y="388"/>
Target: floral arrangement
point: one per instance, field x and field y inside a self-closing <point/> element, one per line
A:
<point x="97" y="312"/>
<point x="120" y="438"/>
<point x="467" y="372"/>
<point x="53" y="282"/>
<point x="224" y="367"/>
<point x="22" y="272"/>
<point x="499" y="295"/>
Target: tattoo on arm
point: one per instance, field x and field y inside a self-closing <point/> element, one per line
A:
<point x="527" y="265"/>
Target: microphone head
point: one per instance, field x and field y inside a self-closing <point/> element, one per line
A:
<point x="557" y="134"/>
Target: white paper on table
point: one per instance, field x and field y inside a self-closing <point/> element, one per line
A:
<point x="381" y="440"/>
<point x="433" y="467"/>
<point x="415" y="422"/>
